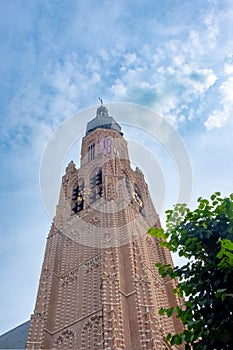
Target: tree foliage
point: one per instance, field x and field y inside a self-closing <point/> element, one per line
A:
<point x="204" y="237"/>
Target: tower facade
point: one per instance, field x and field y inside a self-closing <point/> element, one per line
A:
<point x="99" y="288"/>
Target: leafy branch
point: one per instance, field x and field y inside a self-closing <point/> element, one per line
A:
<point x="204" y="237"/>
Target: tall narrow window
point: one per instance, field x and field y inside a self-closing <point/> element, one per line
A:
<point x="99" y="183"/>
<point x="92" y="188"/>
<point x="91" y="151"/>
<point x="96" y="185"/>
<point x="77" y="199"/>
<point x="107" y="145"/>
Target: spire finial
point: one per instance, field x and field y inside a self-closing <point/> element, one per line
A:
<point x="101" y="100"/>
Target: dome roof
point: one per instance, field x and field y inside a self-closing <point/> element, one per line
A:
<point x="103" y="121"/>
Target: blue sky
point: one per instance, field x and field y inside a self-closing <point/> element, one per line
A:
<point x="173" y="56"/>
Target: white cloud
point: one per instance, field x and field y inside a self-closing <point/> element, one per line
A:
<point x="220" y="116"/>
<point x="215" y="120"/>
<point x="227" y="91"/>
<point x="167" y="58"/>
<point x="194" y="41"/>
<point x="178" y="86"/>
<point x="119" y="89"/>
<point x="170" y="79"/>
<point x="228" y="68"/>
<point x="41" y="104"/>
<point x="211" y="22"/>
<point x="130" y="58"/>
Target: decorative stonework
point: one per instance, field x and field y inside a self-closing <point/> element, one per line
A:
<point x="93" y="263"/>
<point x="69" y="277"/>
<point x="65" y="340"/>
<point x="99" y="289"/>
<point x="92" y="333"/>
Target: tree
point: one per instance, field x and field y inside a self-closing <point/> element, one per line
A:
<point x="204" y="237"/>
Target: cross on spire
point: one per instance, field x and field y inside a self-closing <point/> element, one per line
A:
<point x="101" y="100"/>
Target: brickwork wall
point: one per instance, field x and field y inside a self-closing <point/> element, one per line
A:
<point x="99" y="288"/>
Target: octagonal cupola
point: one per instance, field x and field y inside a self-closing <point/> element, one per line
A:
<point x="103" y="121"/>
<point x="102" y="111"/>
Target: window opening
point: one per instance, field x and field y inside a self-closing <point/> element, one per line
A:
<point x="91" y="151"/>
<point x="99" y="187"/>
<point x="77" y="199"/>
<point x="107" y="146"/>
<point x="96" y="184"/>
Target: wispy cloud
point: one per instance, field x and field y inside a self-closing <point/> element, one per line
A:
<point x="220" y="116"/>
<point x="57" y="58"/>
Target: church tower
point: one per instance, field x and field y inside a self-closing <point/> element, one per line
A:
<point x="99" y="288"/>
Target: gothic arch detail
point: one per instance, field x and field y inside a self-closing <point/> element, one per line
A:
<point x="91" y="334"/>
<point x="65" y="340"/>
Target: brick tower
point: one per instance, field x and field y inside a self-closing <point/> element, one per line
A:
<point x="99" y="288"/>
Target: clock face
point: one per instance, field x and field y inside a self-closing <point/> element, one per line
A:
<point x="137" y="197"/>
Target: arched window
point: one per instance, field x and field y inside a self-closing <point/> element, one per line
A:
<point x="96" y="185"/>
<point x="98" y="182"/>
<point x="91" y="151"/>
<point x="127" y="184"/>
<point x="78" y="198"/>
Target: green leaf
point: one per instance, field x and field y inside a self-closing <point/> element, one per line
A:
<point x="227" y="244"/>
<point x="220" y="292"/>
<point x="176" y="340"/>
<point x="170" y="311"/>
<point x="152" y="231"/>
<point x="205" y="237"/>
<point x="157" y="232"/>
<point x="161" y="311"/>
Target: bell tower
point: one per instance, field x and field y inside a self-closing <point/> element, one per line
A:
<point x="99" y="288"/>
